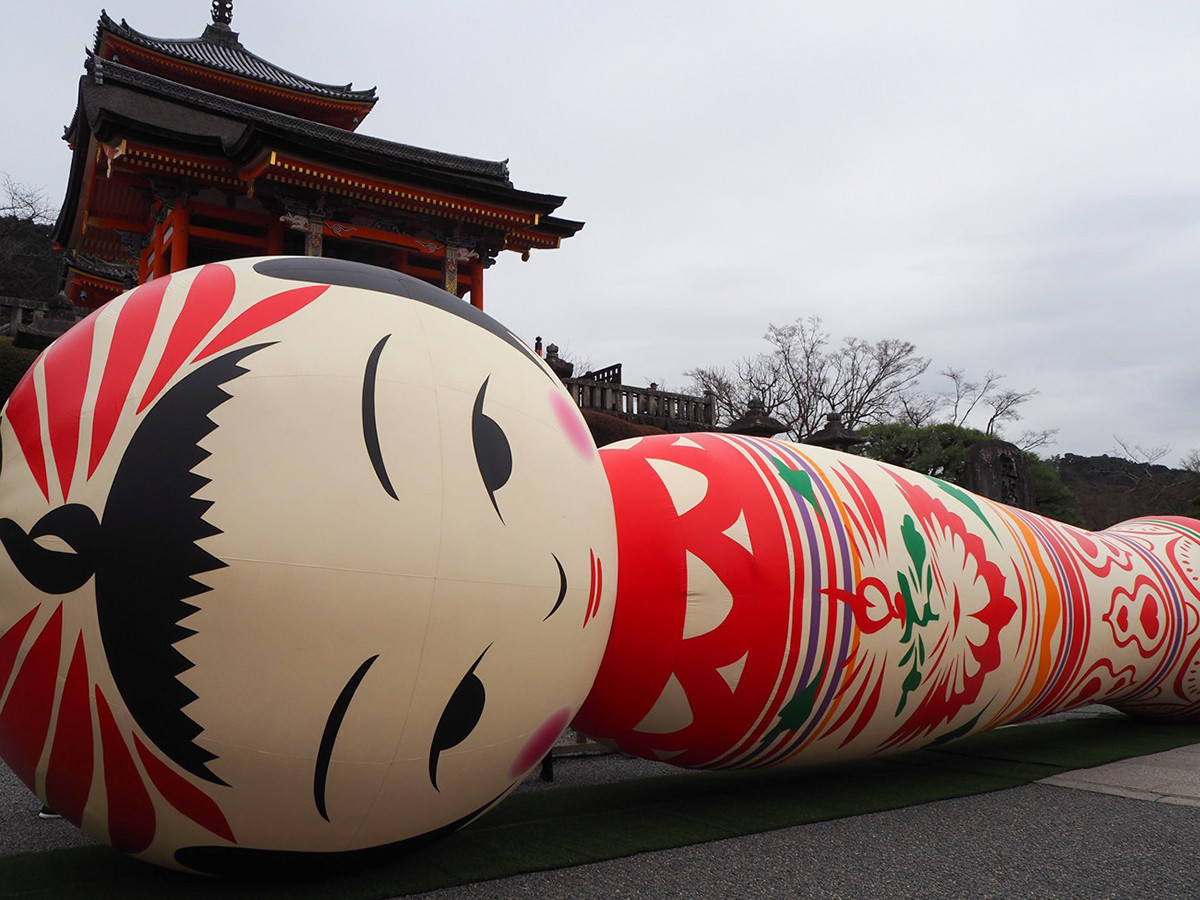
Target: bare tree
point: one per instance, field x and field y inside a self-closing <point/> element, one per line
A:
<point x="29" y="265"/>
<point x="803" y="379"/>
<point x="1032" y="440"/>
<point x="916" y="408"/>
<point x="869" y="379"/>
<point x="1003" y="405"/>
<point x="1143" y="456"/>
<point x="755" y="377"/>
<point x="724" y="388"/>
<point x="964" y="395"/>
<point x="1147" y="479"/>
<point x="22" y="204"/>
<point x="805" y="367"/>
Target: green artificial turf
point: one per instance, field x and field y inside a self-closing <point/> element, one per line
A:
<point x="569" y="826"/>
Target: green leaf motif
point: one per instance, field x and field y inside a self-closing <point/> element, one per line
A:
<point x="800" y="482"/>
<point x="912" y="681"/>
<point x="966" y="500"/>
<point x="960" y="731"/>
<point x="797" y="710"/>
<point x="915" y="542"/>
<point x="910" y="606"/>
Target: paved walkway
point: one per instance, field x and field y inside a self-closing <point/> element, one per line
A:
<point x="1170" y="777"/>
<point x="1130" y="829"/>
<point x="1086" y="834"/>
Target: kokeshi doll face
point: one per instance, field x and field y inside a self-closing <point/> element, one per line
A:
<point x="782" y="604"/>
<point x="299" y="556"/>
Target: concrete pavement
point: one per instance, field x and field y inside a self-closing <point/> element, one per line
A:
<point x="1169" y="777"/>
<point x="1128" y="829"/>
<point x="1125" y="831"/>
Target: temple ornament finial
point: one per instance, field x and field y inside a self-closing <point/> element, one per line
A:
<point x="222" y="12"/>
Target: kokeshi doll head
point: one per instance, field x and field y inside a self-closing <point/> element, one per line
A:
<point x="300" y="556"/>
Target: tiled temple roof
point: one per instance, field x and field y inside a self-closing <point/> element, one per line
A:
<point x="108" y="72"/>
<point x="219" y="48"/>
<point x="116" y="101"/>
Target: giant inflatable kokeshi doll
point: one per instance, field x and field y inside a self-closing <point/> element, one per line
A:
<point x="782" y="604"/>
<point x="304" y="561"/>
<point x="288" y="566"/>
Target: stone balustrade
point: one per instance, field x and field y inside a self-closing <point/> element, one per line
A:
<point x="665" y="409"/>
<point x="41" y="319"/>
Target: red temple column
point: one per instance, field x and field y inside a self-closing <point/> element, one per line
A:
<point x="158" y="262"/>
<point x="179" y="238"/>
<point x="477" y="285"/>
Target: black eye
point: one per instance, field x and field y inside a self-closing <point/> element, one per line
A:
<point x="459" y="718"/>
<point x="492" y="452"/>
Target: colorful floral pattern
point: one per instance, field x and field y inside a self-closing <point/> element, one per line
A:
<point x="881" y="609"/>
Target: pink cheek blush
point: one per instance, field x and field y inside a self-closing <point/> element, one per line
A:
<point x="540" y="743"/>
<point x="573" y="425"/>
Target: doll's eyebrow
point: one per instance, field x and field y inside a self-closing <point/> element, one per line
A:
<point x="370" y="425"/>
<point x="329" y="736"/>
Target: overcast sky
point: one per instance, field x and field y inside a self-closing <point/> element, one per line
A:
<point x="1009" y="185"/>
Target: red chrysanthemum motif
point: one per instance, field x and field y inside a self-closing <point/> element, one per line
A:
<point x="976" y="609"/>
<point x="961" y="607"/>
<point x="51" y="715"/>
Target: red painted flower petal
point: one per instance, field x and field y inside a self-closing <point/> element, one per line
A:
<point x="208" y="299"/>
<point x="130" y="810"/>
<point x="67" y="363"/>
<point x="131" y="337"/>
<point x="10" y="643"/>
<point x="261" y="315"/>
<point x="69" y="774"/>
<point x="22" y="414"/>
<point x="25" y="719"/>
<point x="183" y="795"/>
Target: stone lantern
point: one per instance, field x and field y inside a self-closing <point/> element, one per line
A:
<point x="756" y="422"/>
<point x="835" y="435"/>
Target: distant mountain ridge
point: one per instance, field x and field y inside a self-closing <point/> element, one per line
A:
<point x="1111" y="489"/>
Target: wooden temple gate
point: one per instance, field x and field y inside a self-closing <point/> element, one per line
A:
<point x="190" y="151"/>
